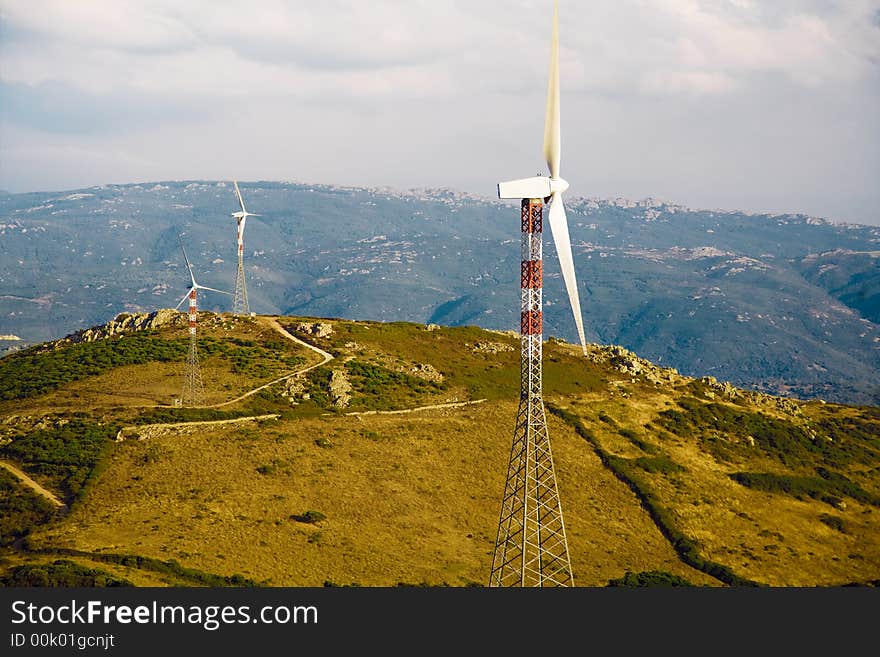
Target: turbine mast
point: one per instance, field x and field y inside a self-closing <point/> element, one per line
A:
<point x="531" y="548"/>
<point x="193" y="387"/>
<point x="240" y="304"/>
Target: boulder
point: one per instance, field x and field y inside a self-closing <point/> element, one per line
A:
<point x="317" y="329"/>
<point x="340" y="389"/>
<point x="427" y="372"/>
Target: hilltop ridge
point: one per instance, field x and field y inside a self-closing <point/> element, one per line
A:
<point x="385" y="464"/>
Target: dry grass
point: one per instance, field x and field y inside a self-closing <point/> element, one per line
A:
<point x="767" y="537"/>
<point x="415" y="498"/>
<point x="406" y="500"/>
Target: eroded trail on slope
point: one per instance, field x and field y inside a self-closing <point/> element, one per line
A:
<point x="273" y="323"/>
<point x="30" y="483"/>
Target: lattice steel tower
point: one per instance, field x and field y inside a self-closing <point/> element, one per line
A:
<point x="193" y="388"/>
<point x="240" y="300"/>
<point x="531" y="548"/>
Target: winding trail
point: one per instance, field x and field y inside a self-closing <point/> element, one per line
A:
<point x="30" y="483"/>
<point x="420" y="408"/>
<point x="142" y="428"/>
<point x="273" y="323"/>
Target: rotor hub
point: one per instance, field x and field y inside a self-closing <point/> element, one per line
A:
<point x="558" y="185"/>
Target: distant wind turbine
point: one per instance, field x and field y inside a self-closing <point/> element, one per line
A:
<point x="240" y="304"/>
<point x="193" y="388"/>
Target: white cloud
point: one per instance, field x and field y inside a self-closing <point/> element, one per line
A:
<point x="441" y="91"/>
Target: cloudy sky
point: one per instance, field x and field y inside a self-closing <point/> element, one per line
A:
<point x="765" y="105"/>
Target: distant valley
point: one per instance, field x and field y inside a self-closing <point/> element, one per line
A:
<point x="785" y="304"/>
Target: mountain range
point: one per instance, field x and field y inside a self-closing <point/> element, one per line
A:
<point x="785" y="304"/>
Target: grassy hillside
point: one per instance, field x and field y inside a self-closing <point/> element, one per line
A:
<point x="665" y="480"/>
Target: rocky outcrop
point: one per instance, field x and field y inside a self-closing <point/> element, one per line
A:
<point x="296" y="388"/>
<point x="127" y="322"/>
<point x="427" y="372"/>
<point x="491" y="347"/>
<point x="626" y="362"/>
<point x="316" y="329"/>
<point x="340" y="389"/>
<point x="15" y="425"/>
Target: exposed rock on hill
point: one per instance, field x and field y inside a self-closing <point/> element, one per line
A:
<point x="340" y="389"/>
<point x="427" y="372"/>
<point x="491" y="347"/>
<point x="127" y="322"/>
<point x="318" y="329"/>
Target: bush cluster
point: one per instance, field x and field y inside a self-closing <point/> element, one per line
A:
<point x="686" y="548"/>
<point x="66" y="455"/>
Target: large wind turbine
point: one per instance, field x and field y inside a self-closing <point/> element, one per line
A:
<point x="193" y="388"/>
<point x="531" y="548"/>
<point x="541" y="187"/>
<point x="240" y="299"/>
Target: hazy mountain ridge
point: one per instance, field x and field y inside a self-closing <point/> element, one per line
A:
<point x="742" y="297"/>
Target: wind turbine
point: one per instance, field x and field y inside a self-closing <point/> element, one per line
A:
<point x="193" y="388"/>
<point x="541" y="187"/>
<point x="531" y="548"/>
<point x="240" y="300"/>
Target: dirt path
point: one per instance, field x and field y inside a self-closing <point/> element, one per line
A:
<point x="272" y="323"/>
<point x="420" y="408"/>
<point x="30" y="483"/>
<point x="155" y="428"/>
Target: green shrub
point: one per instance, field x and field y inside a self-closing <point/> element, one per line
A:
<point x="309" y="517"/>
<point x="60" y="573"/>
<point x="651" y="578"/>
<point x="834" y="522"/>
<point x="686" y="548"/>
<point x="39" y="369"/>
<point x="658" y="464"/>
<point x="837" y="442"/>
<point x="155" y="565"/>
<point x="607" y="419"/>
<point x="633" y="437"/>
<point x="20" y="509"/>
<point x="828" y="488"/>
<point x="66" y="455"/>
<point x="375" y="386"/>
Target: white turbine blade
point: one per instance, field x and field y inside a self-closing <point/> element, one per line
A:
<point x="551" y="124"/>
<point x="559" y="226"/>
<point x="240" y="199"/>
<point x="186" y="260"/>
<point x="211" y="289"/>
<point x="180" y="303"/>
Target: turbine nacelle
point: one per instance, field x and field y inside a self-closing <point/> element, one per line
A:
<point x="537" y="187"/>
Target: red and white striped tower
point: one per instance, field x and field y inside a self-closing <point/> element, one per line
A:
<point x="531" y="548"/>
<point x="193" y="388"/>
